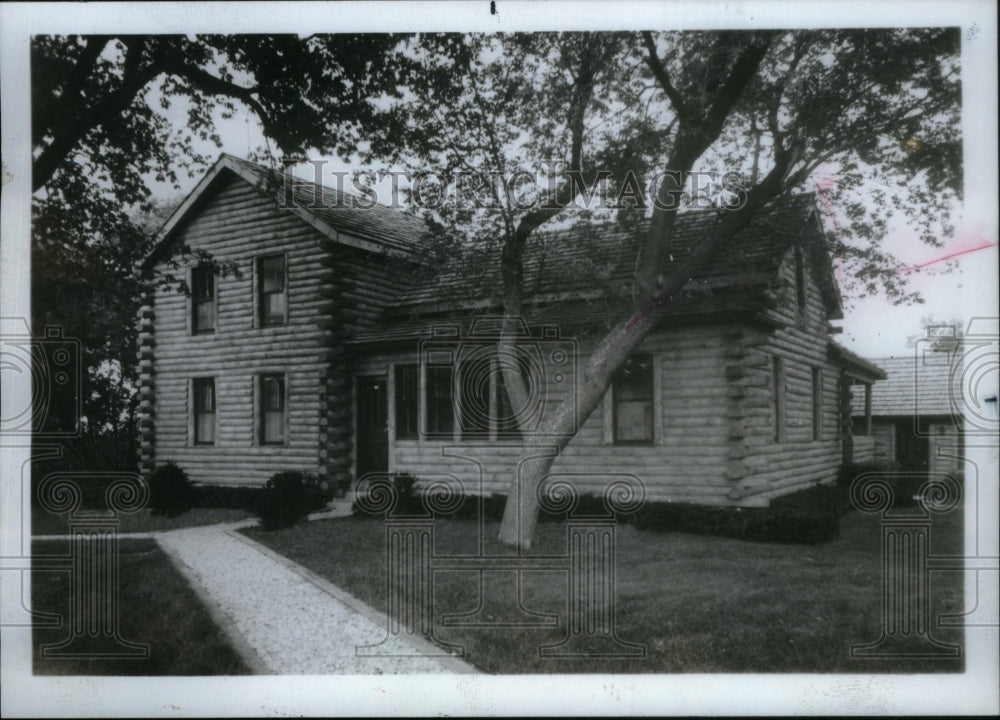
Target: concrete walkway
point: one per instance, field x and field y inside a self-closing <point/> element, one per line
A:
<point x="285" y="619"/>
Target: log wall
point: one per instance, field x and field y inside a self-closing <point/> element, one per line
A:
<point x="237" y="224"/>
<point x="772" y="468"/>
<point x="693" y="426"/>
<point x="864" y="448"/>
<point x="331" y="289"/>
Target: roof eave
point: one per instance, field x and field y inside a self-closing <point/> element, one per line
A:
<point x="854" y="365"/>
<point x="225" y="162"/>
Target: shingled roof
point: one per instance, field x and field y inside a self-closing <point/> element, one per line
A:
<point x="913" y="386"/>
<point x="344" y="211"/>
<point x="581" y="277"/>
<point x="337" y="214"/>
<point x="579" y="259"/>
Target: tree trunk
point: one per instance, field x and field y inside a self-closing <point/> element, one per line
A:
<point x="521" y="512"/>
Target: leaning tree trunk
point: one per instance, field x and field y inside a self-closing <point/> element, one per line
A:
<point x="521" y="512"/>
<point x="542" y="447"/>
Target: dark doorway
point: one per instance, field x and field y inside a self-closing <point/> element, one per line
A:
<point x="373" y="435"/>
<point x="912" y="450"/>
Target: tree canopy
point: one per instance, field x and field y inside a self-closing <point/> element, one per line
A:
<point x="100" y="136"/>
<point x="878" y="109"/>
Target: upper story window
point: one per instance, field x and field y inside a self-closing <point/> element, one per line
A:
<point x="633" y="401"/>
<point x="271" y="290"/>
<point x="202" y="300"/>
<point x="203" y="390"/>
<point x="406" y="401"/>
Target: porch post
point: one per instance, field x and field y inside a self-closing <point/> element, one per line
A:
<point x="868" y="409"/>
<point x="847" y="438"/>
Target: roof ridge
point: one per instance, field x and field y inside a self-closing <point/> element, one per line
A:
<point x="259" y="168"/>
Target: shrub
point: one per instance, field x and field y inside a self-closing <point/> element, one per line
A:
<point x="287" y="498"/>
<point x="170" y="491"/>
<point x="808" y="525"/>
<point x="810" y="516"/>
<point x="407" y="498"/>
<point x="234" y="497"/>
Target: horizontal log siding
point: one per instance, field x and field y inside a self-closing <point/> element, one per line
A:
<point x="692" y="430"/>
<point x="775" y="468"/>
<point x="864" y="449"/>
<point x="884" y="435"/>
<point x="356" y="288"/>
<point x="238" y="224"/>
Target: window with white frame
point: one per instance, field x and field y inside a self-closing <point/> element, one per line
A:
<point x="202" y="300"/>
<point x="632" y="402"/>
<point x="438" y="400"/>
<point x="203" y="391"/>
<point x="817" y="403"/>
<point x="272" y="297"/>
<point x="406" y="401"/>
<point x="272" y="421"/>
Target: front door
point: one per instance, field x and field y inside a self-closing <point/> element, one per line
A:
<point x="373" y="433"/>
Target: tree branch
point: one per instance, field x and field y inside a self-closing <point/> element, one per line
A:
<point x="45" y="112"/>
<point x="206" y="82"/>
<point x="660" y="73"/>
<point x="75" y="127"/>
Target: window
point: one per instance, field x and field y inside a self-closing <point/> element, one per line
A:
<point x="406" y="401"/>
<point x="203" y="390"/>
<point x="272" y="410"/>
<point x="817" y="403"/>
<point x="440" y="410"/>
<point x="271" y="290"/>
<point x="633" y="402"/>
<point x="778" y="397"/>
<point x="202" y="300"/>
<point x="800" y="280"/>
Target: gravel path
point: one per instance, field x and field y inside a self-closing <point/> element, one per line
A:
<point x="294" y="621"/>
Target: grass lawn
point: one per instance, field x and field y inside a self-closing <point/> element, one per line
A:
<point x="697" y="603"/>
<point x="47" y="523"/>
<point x="156" y="608"/>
